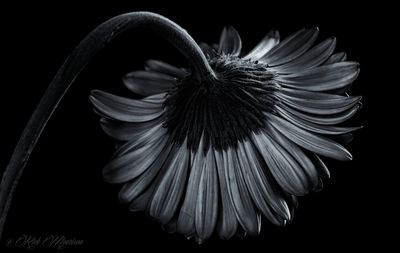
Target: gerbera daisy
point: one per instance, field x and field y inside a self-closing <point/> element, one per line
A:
<point x="212" y="147"/>
<point x="214" y="155"/>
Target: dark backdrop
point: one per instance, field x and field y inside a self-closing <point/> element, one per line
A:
<point x="62" y="191"/>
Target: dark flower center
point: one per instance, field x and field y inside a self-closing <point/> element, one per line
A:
<point x="223" y="111"/>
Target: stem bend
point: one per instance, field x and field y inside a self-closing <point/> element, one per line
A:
<point x="73" y="65"/>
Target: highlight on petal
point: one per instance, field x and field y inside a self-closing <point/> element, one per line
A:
<point x="285" y="169"/>
<point x="300" y="156"/>
<point x="261" y="187"/>
<point x="306" y="125"/>
<point x="148" y="83"/>
<point x="313" y="58"/>
<point x="170" y="186"/>
<point x="332" y="119"/>
<point x="239" y="194"/>
<point x="125" y="131"/>
<point x="165" y="68"/>
<point x="134" y="157"/>
<point x="315" y="102"/>
<point x="291" y="47"/>
<point x="313" y="142"/>
<point x="124" y="109"/>
<point x="338" y="57"/>
<point x="323" y="78"/>
<point x="207" y="200"/>
<point x="135" y="187"/>
<point x="187" y="214"/>
<point x="227" y="222"/>
<point x="230" y="42"/>
<point x="264" y="46"/>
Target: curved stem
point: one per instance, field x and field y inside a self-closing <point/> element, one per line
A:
<point x="73" y="65"/>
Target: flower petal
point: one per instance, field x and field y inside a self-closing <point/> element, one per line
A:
<point x="164" y="68"/>
<point x="343" y="139"/>
<point x="291" y="47"/>
<point x="309" y="126"/>
<point x="141" y="202"/>
<point x="292" y="203"/>
<point x="127" y="165"/>
<point x="324" y="119"/>
<point x="285" y="169"/>
<point x="135" y="187"/>
<point x="338" y="57"/>
<point x="239" y="195"/>
<point x="313" y="58"/>
<point x="156" y="99"/>
<point x="321" y="167"/>
<point x="315" y="143"/>
<point x="124" y="109"/>
<point x="265" y="197"/>
<point x="323" y="78"/>
<point x="207" y="199"/>
<point x="299" y="155"/>
<point x="264" y="46"/>
<point x="186" y="219"/>
<point x="155" y="133"/>
<point x="230" y="42"/>
<point x="125" y="131"/>
<point x="172" y="182"/>
<point x="315" y="102"/>
<point x="227" y="222"/>
<point x="148" y="83"/>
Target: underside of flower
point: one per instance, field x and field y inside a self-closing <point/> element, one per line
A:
<point x="215" y="153"/>
<point x="224" y="110"/>
<point x="212" y="147"/>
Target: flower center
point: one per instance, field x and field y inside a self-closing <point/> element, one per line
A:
<point x="223" y="111"/>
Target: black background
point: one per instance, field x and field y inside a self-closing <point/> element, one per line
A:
<point x="62" y="191"/>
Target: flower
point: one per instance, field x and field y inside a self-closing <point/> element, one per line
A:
<point x="217" y="153"/>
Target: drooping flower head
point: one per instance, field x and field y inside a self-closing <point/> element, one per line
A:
<point x="216" y="153"/>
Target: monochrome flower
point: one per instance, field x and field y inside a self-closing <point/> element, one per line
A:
<point x="214" y="146"/>
<point x="216" y="154"/>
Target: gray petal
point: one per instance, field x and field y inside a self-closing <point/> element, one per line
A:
<point x="130" y="165"/>
<point x="135" y="187"/>
<point x="172" y="182"/>
<point x="309" y="126"/>
<point x="124" y="109"/>
<point x="321" y="167"/>
<point x="316" y="102"/>
<point x="265" y="197"/>
<point x="207" y="199"/>
<point x="227" y="222"/>
<point x="164" y="68"/>
<point x="148" y="83"/>
<point x="285" y="169"/>
<point x="338" y="57"/>
<point x="125" y="131"/>
<point x="323" y="119"/>
<point x="291" y="47"/>
<point x="186" y="219"/>
<point x="323" y="78"/>
<point x="315" y="143"/>
<point x="301" y="157"/>
<point x="230" y="42"/>
<point x="239" y="195"/>
<point x="313" y="58"/>
<point x="264" y="46"/>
